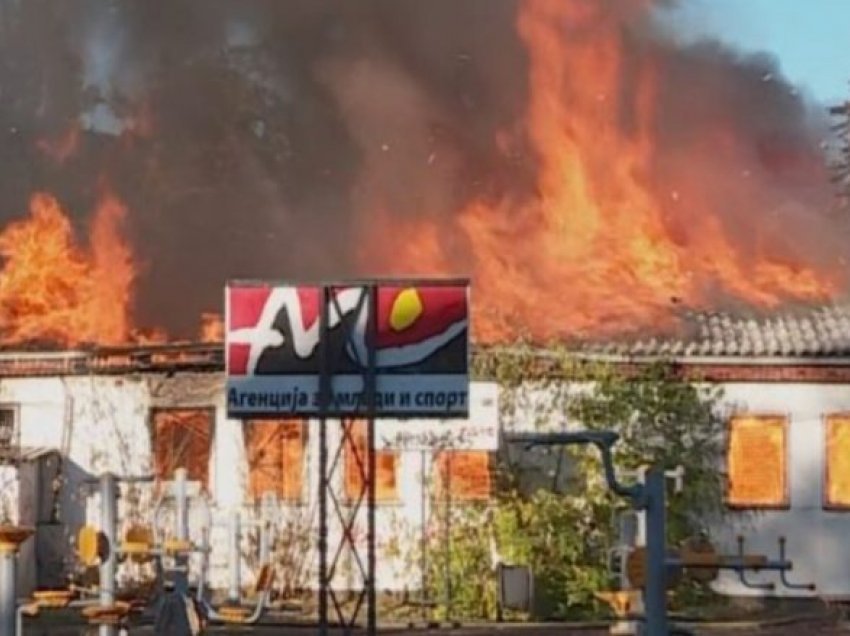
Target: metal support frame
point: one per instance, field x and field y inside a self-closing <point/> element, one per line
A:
<point x="108" y="526"/>
<point x="8" y="586"/>
<point x="181" y="491"/>
<point x="234" y="557"/>
<point x="107" y="486"/>
<point x="235" y="524"/>
<point x="181" y="527"/>
<point x="346" y="513"/>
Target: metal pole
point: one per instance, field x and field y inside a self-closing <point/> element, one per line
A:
<point x="448" y="536"/>
<point x="324" y="406"/>
<point x="233" y="595"/>
<point x="640" y="538"/>
<point x="182" y="502"/>
<point x="369" y="386"/>
<point x="423" y="563"/>
<point x="265" y="543"/>
<point x="108" y="521"/>
<point x="269" y="507"/>
<point x="655" y="595"/>
<point x="181" y="528"/>
<point x="8" y="585"/>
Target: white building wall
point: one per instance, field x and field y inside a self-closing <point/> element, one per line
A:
<point x="816" y="538"/>
<point x="102" y="423"/>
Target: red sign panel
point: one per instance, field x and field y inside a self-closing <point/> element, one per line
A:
<point x="420" y="348"/>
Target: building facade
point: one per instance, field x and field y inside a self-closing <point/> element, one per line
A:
<point x="149" y="410"/>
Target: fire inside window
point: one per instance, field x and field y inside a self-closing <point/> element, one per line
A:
<point x="275" y="450"/>
<point x="467" y="474"/>
<point x="182" y="438"/>
<point x="757" y="462"/>
<point x="837" y="465"/>
<point x="385" y="466"/>
<point x="9" y="434"/>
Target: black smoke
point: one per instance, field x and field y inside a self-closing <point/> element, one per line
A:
<point x="274" y="125"/>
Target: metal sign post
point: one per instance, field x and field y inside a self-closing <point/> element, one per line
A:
<point x="343" y="352"/>
<point x="365" y="467"/>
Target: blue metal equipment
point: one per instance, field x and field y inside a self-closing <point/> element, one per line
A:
<point x="649" y="498"/>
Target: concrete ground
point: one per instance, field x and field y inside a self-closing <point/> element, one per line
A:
<point x="805" y="619"/>
<point x="795" y="628"/>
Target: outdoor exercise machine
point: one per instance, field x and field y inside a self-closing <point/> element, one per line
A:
<point x="175" y="542"/>
<point x="102" y="547"/>
<point x="170" y="548"/>
<point x="95" y="547"/>
<point x="233" y="611"/>
<point x="628" y="601"/>
<point x="654" y="567"/>
<point x="11" y="613"/>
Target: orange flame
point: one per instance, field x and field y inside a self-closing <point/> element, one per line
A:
<point x="53" y="289"/>
<point x="212" y="327"/>
<point x="595" y="251"/>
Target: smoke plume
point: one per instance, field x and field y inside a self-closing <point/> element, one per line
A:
<point x="301" y="139"/>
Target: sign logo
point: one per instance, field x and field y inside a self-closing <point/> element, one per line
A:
<point x="419" y="344"/>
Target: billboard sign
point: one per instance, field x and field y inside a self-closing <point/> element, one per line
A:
<point x="477" y="432"/>
<point x="419" y="346"/>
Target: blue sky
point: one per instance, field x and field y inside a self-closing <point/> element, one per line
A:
<point x="809" y="38"/>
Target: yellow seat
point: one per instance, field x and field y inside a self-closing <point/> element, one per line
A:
<point x="89" y="546"/>
<point x="52" y="598"/>
<point x="30" y="609"/>
<point x="107" y="614"/>
<point x="137" y="543"/>
<point x="234" y="614"/>
<point x="262" y="587"/>
<point x="622" y="602"/>
<point x="176" y="546"/>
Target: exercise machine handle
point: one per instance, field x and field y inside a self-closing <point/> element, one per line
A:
<point x="603" y="440"/>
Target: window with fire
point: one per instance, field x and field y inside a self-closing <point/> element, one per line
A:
<point x="182" y="438"/>
<point x="836" y="494"/>
<point x="276" y="452"/>
<point x="354" y="453"/>
<point x="463" y="475"/>
<point x="757" y="462"/>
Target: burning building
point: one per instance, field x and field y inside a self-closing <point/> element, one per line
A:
<point x="599" y="180"/>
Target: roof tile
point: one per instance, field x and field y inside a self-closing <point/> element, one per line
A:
<point x="821" y="331"/>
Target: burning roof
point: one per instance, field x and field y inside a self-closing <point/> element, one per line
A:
<point x="822" y="333"/>
<point x="169" y="358"/>
<point x="572" y="157"/>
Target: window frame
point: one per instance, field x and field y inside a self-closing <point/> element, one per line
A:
<point x="785" y="503"/>
<point x="211" y="412"/>
<point x="349" y="498"/>
<point x="825" y="503"/>
<point x="440" y="492"/>
<point x="301" y="498"/>
<point x="15" y="446"/>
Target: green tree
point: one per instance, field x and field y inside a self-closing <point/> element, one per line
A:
<point x="552" y="511"/>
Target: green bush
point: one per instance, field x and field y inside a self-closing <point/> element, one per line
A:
<point x="562" y="524"/>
